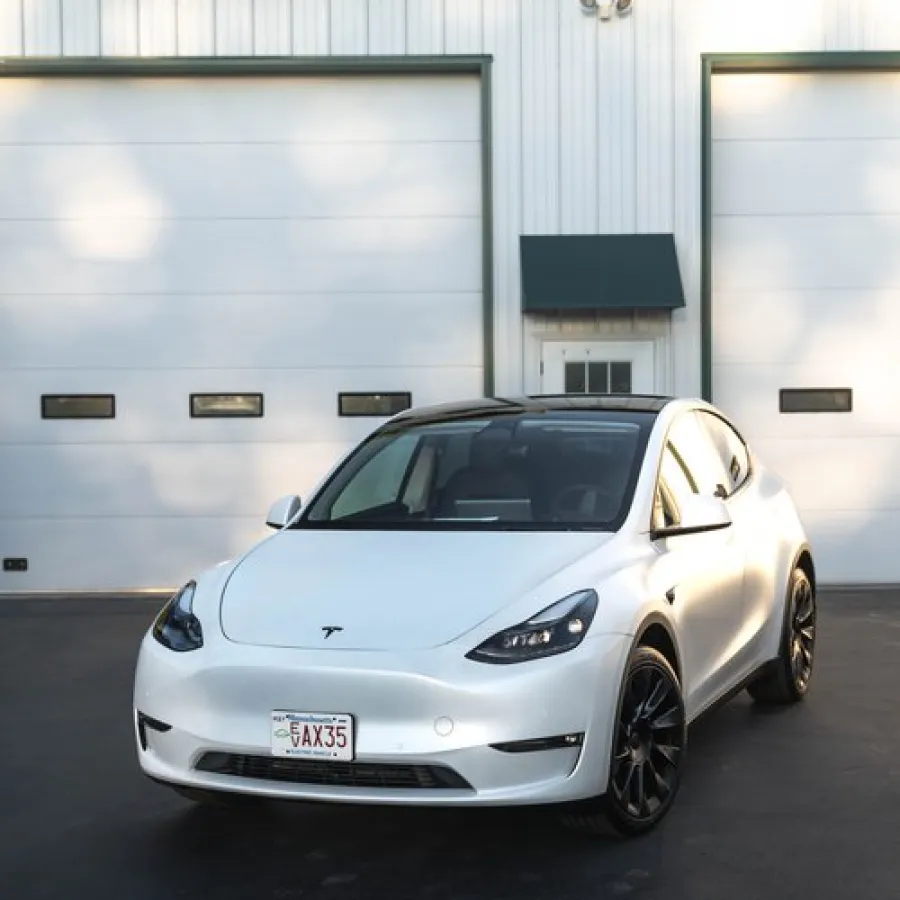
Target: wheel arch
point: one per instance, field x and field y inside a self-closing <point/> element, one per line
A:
<point x="656" y="631"/>
<point x="803" y="559"/>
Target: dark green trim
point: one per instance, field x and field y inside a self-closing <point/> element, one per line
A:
<point x="487" y="225"/>
<point x="239" y="65"/>
<point x="157" y="67"/>
<point x="706" y="218"/>
<point x="735" y="63"/>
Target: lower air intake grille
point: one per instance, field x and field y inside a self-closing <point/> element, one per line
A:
<point x="334" y="774"/>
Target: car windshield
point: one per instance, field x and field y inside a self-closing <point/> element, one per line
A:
<point x="529" y="471"/>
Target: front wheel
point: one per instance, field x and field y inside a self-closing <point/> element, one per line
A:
<point x="647" y="752"/>
<point x="787" y="681"/>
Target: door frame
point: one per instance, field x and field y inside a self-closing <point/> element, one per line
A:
<point x="662" y="357"/>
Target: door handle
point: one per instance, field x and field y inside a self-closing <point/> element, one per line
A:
<point x="670" y="595"/>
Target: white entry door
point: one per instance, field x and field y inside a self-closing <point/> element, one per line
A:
<point x="597" y="367"/>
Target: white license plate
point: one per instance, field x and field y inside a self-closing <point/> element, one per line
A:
<point x="325" y="736"/>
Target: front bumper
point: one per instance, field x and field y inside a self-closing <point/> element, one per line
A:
<point x="218" y="700"/>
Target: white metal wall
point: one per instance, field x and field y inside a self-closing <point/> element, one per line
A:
<point x="597" y="124"/>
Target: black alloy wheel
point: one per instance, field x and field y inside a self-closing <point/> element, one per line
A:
<point x="788" y="678"/>
<point x="648" y="749"/>
<point x="648" y="745"/>
<point x="803" y="633"/>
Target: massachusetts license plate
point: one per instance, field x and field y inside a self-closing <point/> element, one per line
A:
<point x="325" y="736"/>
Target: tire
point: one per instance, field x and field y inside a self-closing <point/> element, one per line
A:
<point x="787" y="679"/>
<point x="646" y="756"/>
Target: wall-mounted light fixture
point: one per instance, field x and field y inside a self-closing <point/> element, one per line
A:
<point x="604" y="8"/>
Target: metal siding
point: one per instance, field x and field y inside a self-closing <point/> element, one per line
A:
<point x="462" y="26"/>
<point x="881" y="25"/>
<point x="234" y="27"/>
<point x="196" y="27"/>
<point x="272" y="27"/>
<point x="119" y="28"/>
<point x="540" y="116"/>
<point x="579" y="147"/>
<point x="11" y="27"/>
<point x="158" y="27"/>
<point x="844" y="25"/>
<point x="654" y="102"/>
<point x="41" y="28"/>
<point x="617" y="126"/>
<point x="387" y="27"/>
<point x="311" y="27"/>
<point x="349" y="27"/>
<point x="80" y="27"/>
<point x="425" y="25"/>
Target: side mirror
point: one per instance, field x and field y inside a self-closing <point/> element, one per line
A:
<point x="283" y="510"/>
<point x="698" y="515"/>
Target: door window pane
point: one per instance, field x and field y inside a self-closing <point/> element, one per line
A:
<point x="693" y="445"/>
<point x="731" y="449"/>
<point x="620" y="378"/>
<point x="598" y="378"/>
<point x="575" y="378"/>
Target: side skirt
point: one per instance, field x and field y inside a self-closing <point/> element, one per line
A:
<point x="732" y="692"/>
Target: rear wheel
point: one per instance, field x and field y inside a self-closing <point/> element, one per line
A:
<point x="787" y="681"/>
<point x="647" y="752"/>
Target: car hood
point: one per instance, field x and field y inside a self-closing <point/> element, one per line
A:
<point x="389" y="590"/>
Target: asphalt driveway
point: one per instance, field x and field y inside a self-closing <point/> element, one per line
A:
<point x="803" y="802"/>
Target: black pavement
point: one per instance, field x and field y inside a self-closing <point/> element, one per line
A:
<point x="798" y="803"/>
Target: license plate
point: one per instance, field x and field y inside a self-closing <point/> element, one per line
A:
<point x="325" y="736"/>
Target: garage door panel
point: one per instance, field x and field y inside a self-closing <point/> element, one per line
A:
<point x="855" y="547"/>
<point x="150" y="480"/>
<point x="806" y="252"/>
<point x="292" y="236"/>
<point x="806" y="294"/>
<point x="806" y="177"/>
<point x="816" y="106"/>
<point x="299" y="404"/>
<point x="122" y="331"/>
<point x="850" y="476"/>
<point x="176" y="181"/>
<point x="815" y="327"/>
<point x="235" y="110"/>
<point x="241" y="256"/>
<point x="121" y="553"/>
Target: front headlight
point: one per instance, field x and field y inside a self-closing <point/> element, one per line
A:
<point x="558" y="628"/>
<point x="176" y="626"/>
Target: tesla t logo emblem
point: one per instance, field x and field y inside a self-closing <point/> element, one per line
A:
<point x="331" y="629"/>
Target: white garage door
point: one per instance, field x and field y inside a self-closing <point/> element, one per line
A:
<point x="806" y="294"/>
<point x="289" y="237"/>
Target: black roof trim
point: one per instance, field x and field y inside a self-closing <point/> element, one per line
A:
<point x="537" y="403"/>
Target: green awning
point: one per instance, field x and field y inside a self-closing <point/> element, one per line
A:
<point x="600" y="271"/>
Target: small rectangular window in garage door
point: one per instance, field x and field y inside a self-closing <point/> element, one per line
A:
<point x="387" y="404"/>
<point x="815" y="400"/>
<point x="78" y="406"/>
<point x="226" y="406"/>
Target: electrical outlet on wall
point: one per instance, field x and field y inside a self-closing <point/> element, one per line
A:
<point x="604" y="10"/>
<point x="15" y="564"/>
